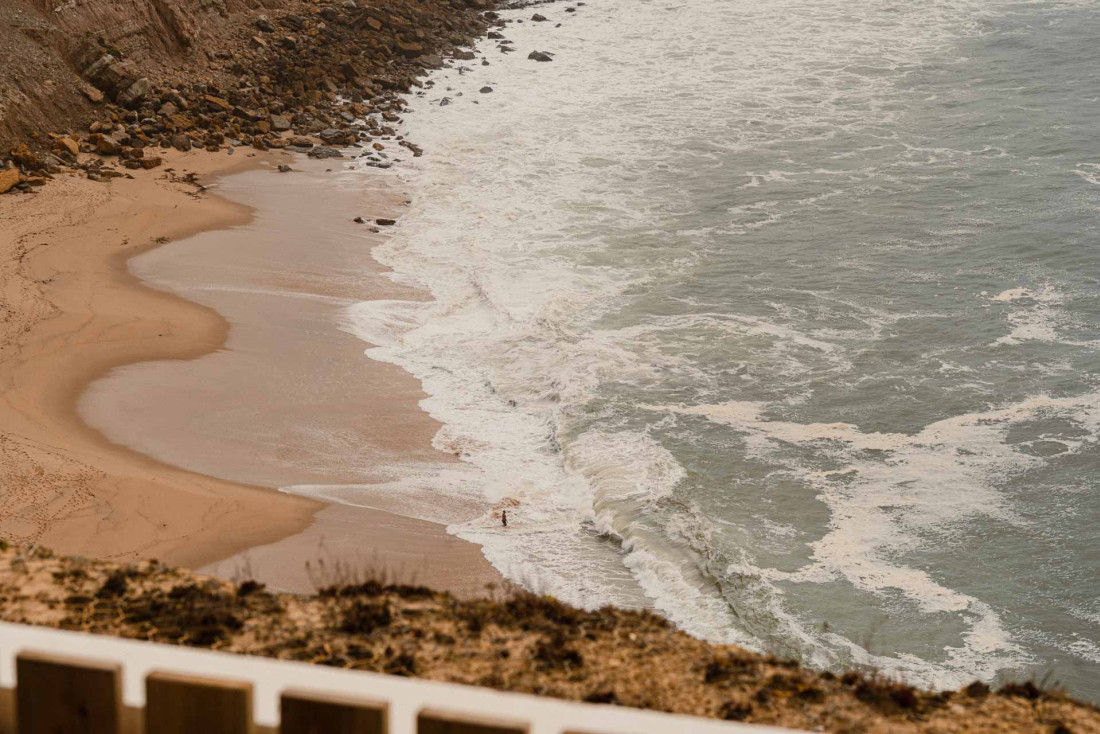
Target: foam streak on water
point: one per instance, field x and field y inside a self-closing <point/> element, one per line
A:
<point x="774" y="317"/>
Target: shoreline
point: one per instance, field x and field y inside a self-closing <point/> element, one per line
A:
<point x="81" y="492"/>
<point x="290" y="401"/>
<point x="73" y="317"/>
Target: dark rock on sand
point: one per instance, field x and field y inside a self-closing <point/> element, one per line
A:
<point x="538" y="18"/>
<point x="322" y="151"/>
<point x="284" y="168"/>
<point x="385" y="222"/>
<point x="486" y="90"/>
<point x="540" y="56"/>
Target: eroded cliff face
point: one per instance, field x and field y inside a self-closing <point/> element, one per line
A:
<point x="118" y="78"/>
<point x="54" y="54"/>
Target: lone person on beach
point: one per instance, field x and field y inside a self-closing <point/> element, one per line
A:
<point x="504" y="517"/>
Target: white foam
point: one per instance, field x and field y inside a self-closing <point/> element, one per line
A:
<point x="539" y="209"/>
<point x="1038" y="316"/>
<point x="939" y="478"/>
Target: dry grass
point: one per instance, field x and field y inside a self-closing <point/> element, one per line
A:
<point x="513" y="641"/>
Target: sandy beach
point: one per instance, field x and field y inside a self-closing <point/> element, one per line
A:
<point x="75" y="312"/>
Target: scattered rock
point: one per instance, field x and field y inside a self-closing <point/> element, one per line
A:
<point x="383" y="222"/>
<point x="540" y="56"/>
<point x="465" y="55"/>
<point x="486" y="90"/>
<point x="181" y="142"/>
<point x="284" y="168"/>
<point x="359" y="220"/>
<point x="539" y="18"/>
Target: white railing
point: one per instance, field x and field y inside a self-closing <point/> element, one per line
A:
<point x="402" y="699"/>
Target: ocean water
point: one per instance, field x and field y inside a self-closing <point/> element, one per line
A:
<point x="778" y="318"/>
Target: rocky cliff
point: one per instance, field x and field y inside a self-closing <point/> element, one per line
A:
<point x="118" y="77"/>
<point x="46" y="46"/>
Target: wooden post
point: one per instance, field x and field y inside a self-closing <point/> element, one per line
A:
<point x="61" y="695"/>
<point x="183" y="704"/>
<point x="310" y="713"/>
<point x="441" y="722"/>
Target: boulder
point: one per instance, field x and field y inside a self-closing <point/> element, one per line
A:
<point x="279" y="123"/>
<point x="181" y="142"/>
<point x="539" y="18"/>
<point x="322" y="152"/>
<point x="486" y="90"/>
<point x="465" y="55"/>
<point x="411" y="50"/>
<point x="8" y="179"/>
<point x="23" y="155"/>
<point x="94" y="95"/>
<point x="107" y="146"/>
<point x="383" y="222"/>
<point x="540" y="56"/>
<point x="216" y="104"/>
<point x="151" y="162"/>
<point x="332" y="136"/>
<point x="135" y="93"/>
<point x="66" y="145"/>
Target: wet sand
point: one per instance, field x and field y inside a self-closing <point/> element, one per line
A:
<point x="71" y="313"/>
<point x="290" y="400"/>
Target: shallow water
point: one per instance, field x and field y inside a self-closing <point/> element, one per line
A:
<point x="780" y="318"/>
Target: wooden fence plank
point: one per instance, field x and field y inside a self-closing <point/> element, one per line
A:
<point x="305" y="712"/>
<point x="183" y="704"/>
<point x="431" y="721"/>
<point x="62" y="695"/>
<point x="7" y="711"/>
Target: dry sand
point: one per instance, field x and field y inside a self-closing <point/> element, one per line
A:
<point x="73" y="312"/>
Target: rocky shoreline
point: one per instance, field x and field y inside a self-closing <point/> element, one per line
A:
<point x="311" y="76"/>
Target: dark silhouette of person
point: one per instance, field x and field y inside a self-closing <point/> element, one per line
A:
<point x="504" y="517"/>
